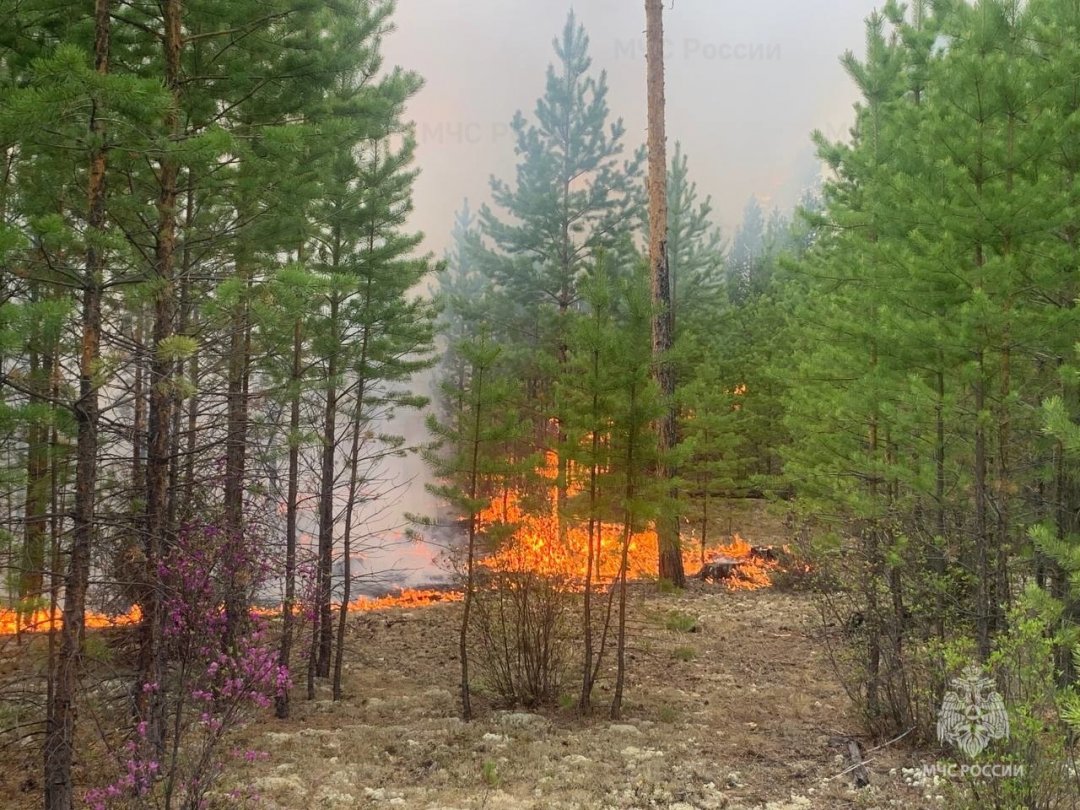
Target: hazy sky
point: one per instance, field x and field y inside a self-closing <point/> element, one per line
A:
<point x="747" y="82"/>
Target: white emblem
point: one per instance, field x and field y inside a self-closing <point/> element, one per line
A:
<point x="973" y="714"/>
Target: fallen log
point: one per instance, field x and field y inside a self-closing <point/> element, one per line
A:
<point x="719" y="569"/>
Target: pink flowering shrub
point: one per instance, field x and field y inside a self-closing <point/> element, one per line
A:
<point x="211" y="687"/>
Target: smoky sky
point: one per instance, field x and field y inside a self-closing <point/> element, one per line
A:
<point x="747" y="82"/>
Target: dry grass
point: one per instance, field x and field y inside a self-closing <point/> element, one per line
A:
<point x="752" y="718"/>
<point x="745" y="713"/>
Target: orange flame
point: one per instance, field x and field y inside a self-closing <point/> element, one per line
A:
<point x="538" y="546"/>
<point x="405" y="598"/>
<point x="42" y="621"/>
<point x="752" y="568"/>
<point x="541" y="546"/>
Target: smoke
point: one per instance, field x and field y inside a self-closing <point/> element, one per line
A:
<point x="391" y="552"/>
<point x="747" y="84"/>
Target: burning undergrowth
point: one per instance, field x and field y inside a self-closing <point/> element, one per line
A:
<point x="41" y="621"/>
<point x="534" y="543"/>
<point x="537" y="543"/>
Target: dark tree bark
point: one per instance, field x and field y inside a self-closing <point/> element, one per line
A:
<point x="346" y="560"/>
<point x="236" y="607"/>
<point x="35" y="528"/>
<point x="60" y="731"/>
<point x="983" y="559"/>
<point x="151" y="662"/>
<point x="328" y="476"/>
<point x="354" y="483"/>
<point x="628" y="531"/>
<point x="291" y="499"/>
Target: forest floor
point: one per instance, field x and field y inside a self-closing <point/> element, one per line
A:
<point x="735" y="704"/>
<point x="744" y="712"/>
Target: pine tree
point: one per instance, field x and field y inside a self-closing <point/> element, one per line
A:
<point x="695" y="246"/>
<point x="588" y="390"/>
<point x="643" y="497"/>
<point x="395" y="332"/>
<point x="473" y="460"/>
<point x="150" y="331"/>
<point x="573" y="195"/>
<point x="663" y="324"/>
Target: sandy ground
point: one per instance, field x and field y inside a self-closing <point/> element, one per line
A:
<point x="744" y="712"/>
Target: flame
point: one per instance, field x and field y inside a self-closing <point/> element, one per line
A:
<point x="538" y="545"/>
<point x="405" y="598"/>
<point x="541" y="546"/>
<point x="752" y="565"/>
<point x="42" y="621"/>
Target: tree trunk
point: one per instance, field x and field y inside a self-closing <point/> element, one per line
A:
<point x="138" y="398"/>
<point x="938" y="547"/>
<point x="592" y="561"/>
<point x="354" y="483"/>
<point x="59" y="746"/>
<point x="328" y="478"/>
<point x="470" y="584"/>
<point x="236" y="608"/>
<point x="292" y="497"/>
<point x="983" y="562"/>
<point x="184" y="327"/>
<point x="628" y="531"/>
<point x="667" y="529"/>
<point x="151" y="663"/>
<point x="32" y="562"/>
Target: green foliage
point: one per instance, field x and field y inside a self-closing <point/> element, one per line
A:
<point x="177" y="347"/>
<point x="668" y="715"/>
<point x="1023" y="665"/>
<point x="518" y="269"/>
<point x="253" y="254"/>
<point x="679" y="622"/>
<point x="667" y="587"/>
<point x="930" y="409"/>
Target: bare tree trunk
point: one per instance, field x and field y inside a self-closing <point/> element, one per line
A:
<point x="184" y="327"/>
<point x="187" y="421"/>
<point x="32" y="559"/>
<point x="138" y="398"/>
<point x="592" y="562"/>
<point x="354" y="461"/>
<point x="470" y="582"/>
<point x="1003" y="489"/>
<point x="59" y="466"/>
<point x="291" y="498"/>
<point x="983" y="573"/>
<point x="346" y="561"/>
<point x="236" y="607"/>
<point x="593" y="559"/>
<point x="937" y="559"/>
<point x="60" y="732"/>
<point x="628" y="531"/>
<point x="667" y="529"/>
<point x="328" y="478"/>
<point x="151" y="663"/>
